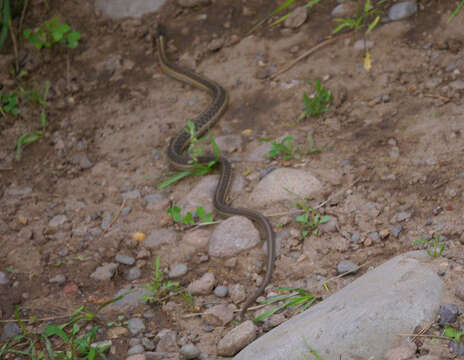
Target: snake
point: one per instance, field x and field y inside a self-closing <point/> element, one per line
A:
<point x="179" y="158"/>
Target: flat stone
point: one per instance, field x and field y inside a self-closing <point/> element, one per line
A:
<point x="135" y="325"/>
<point x="159" y="237"/>
<point x="233" y="236"/>
<point x="202" y="286"/>
<point x="283" y="184"/>
<point x="178" y="270"/>
<point x="133" y="274"/>
<point x="104" y="272"/>
<point x="345" y="266"/>
<point x="402" y="10"/>
<point x="118" y="9"/>
<point x="296" y="18"/>
<point x="18" y="191"/>
<point x="190" y="351"/>
<point x="448" y="314"/>
<point x="10" y="330"/>
<point x="57" y="221"/>
<point x="369" y="313"/>
<point x="218" y="315"/>
<point x="167" y="341"/>
<point x="3" y="278"/>
<point x="124" y="259"/>
<point x="58" y="279"/>
<point x="237" y="339"/>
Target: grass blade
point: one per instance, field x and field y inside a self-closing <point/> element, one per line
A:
<point x="5" y="21"/>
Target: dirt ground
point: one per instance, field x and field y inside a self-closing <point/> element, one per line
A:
<point x="396" y="131"/>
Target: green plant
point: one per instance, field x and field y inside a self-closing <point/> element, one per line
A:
<point x="281" y="8"/>
<point x="319" y="103"/>
<point x="455" y="11"/>
<point x="53" y="32"/>
<point x="57" y="341"/>
<point x="434" y="247"/>
<point x="311" y="149"/>
<point x="362" y="18"/>
<point x="310" y="220"/>
<point x="29" y="138"/>
<point x="189" y="219"/>
<point x="161" y="290"/>
<point x="283" y="148"/>
<point x="121" y="321"/>
<point x="298" y="299"/>
<point x="8" y="104"/>
<point x="5" y="21"/>
<point x="452" y="333"/>
<point x="196" y="149"/>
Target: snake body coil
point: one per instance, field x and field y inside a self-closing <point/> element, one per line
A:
<point x="204" y="122"/>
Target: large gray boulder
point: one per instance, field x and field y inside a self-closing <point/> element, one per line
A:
<point x="363" y="319"/>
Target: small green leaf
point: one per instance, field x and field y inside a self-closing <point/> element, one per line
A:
<point x="188" y="219"/>
<point x="324" y="220"/>
<point x="200" y="212"/>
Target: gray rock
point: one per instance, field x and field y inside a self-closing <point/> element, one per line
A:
<point x="360" y="332"/>
<point x="218" y="315"/>
<point x="283" y="184"/>
<point x="118" y="9"/>
<point x="458" y="348"/>
<point x="457" y="84"/>
<point x="57" y="221"/>
<point x="237" y="339"/>
<point x="459" y="291"/>
<point x="134" y="341"/>
<point x="396" y="230"/>
<point x="374" y="235"/>
<point x="233" y="236"/>
<point x="221" y="291"/>
<point x="58" y="279"/>
<point x="237" y="293"/>
<point x="131" y="195"/>
<point x="159" y="237"/>
<point x="137" y="349"/>
<point x="229" y="143"/>
<point x="401" y="216"/>
<point x="330" y="226"/>
<point x="346" y="9"/>
<point x="153" y="198"/>
<point x="135" y="325"/>
<point x="167" y="341"/>
<point x="10" y="330"/>
<point x="3" y="278"/>
<point x="361" y="45"/>
<point x="124" y="259"/>
<point x="347" y="266"/>
<point x="297" y="18"/>
<point x="259" y="152"/>
<point x="190" y="351"/>
<point x="403" y="352"/>
<point x="82" y="161"/>
<point x="216" y="44"/>
<point x="192" y="3"/>
<point x="133" y="274"/>
<point x="202" y="286"/>
<point x="197" y="238"/>
<point x="448" y="314"/>
<point x="356" y="237"/>
<point x="178" y="270"/>
<point x="126" y="210"/>
<point x="104" y="272"/>
<point x="133" y="296"/>
<point x="18" y="191"/>
<point x="402" y="10"/>
<point x="148" y="344"/>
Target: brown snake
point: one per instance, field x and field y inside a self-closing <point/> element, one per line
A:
<point x="203" y="122"/>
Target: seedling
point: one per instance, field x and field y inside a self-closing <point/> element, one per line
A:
<point x="8" y="104"/>
<point x="189" y="219"/>
<point x="29" y="138"/>
<point x="434" y="247"/>
<point x="196" y="149"/>
<point x="318" y="104"/>
<point x="455" y="11"/>
<point x="454" y="334"/>
<point x="311" y="149"/>
<point x="53" y="32"/>
<point x="361" y="20"/>
<point x="63" y="341"/>
<point x="298" y="299"/>
<point x="162" y="290"/>
<point x="281" y="8"/>
<point x="283" y="148"/>
<point x="310" y="220"/>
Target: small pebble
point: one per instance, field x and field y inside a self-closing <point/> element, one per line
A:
<point x="356" y="237"/>
<point x="458" y="348"/>
<point x="221" y="291"/>
<point x="448" y="314"/>
<point x="347" y="265"/>
<point x="3" y="278"/>
<point x="137" y="349"/>
<point x="178" y="270"/>
<point x="148" y="344"/>
<point x="396" y="230"/>
<point x="125" y="259"/>
<point x="460" y="291"/>
<point x="189" y="351"/>
<point x="135" y="325"/>
<point x="208" y="328"/>
<point x="58" y="279"/>
<point x="374" y="235"/>
<point x="133" y="274"/>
